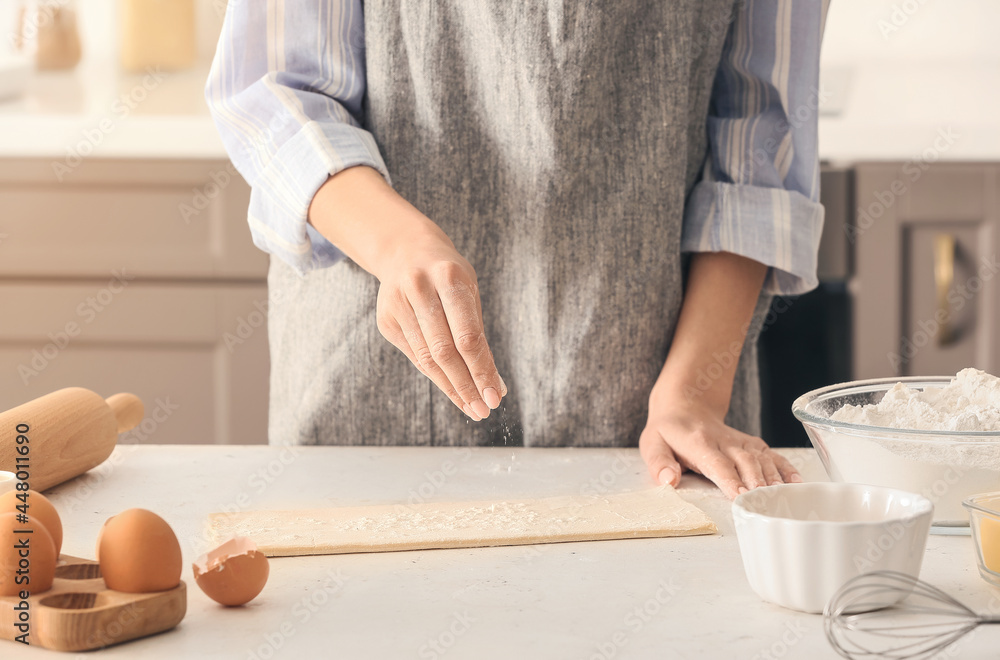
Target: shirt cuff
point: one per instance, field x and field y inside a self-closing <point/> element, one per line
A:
<point x="279" y="203"/>
<point x="777" y="227"/>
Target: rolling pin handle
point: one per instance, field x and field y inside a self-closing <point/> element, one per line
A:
<point x="128" y="410"/>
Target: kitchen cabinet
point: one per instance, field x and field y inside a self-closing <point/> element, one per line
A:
<point x="136" y="275"/>
<point x="926" y="286"/>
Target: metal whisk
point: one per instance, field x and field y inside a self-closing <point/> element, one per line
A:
<point x="887" y="614"/>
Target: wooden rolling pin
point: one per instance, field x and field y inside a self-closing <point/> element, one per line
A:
<point x="68" y="432"/>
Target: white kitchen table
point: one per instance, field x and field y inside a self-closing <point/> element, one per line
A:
<point x="640" y="598"/>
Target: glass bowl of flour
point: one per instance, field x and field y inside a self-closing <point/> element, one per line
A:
<point x="937" y="436"/>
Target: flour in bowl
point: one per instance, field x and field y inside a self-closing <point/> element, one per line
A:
<point x="945" y="469"/>
<point x="970" y="402"/>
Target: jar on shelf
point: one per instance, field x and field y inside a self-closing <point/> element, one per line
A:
<point x="157" y="34"/>
<point x="47" y="32"/>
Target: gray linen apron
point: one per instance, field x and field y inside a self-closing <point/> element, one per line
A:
<point x="555" y="143"/>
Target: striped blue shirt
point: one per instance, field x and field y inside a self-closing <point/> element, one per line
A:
<point x="288" y="79"/>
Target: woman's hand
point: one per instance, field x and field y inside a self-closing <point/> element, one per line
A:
<point x="681" y="434"/>
<point x="688" y="404"/>
<point x="429" y="308"/>
<point x="428" y="300"/>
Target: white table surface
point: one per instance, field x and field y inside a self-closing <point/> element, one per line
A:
<point x="568" y="600"/>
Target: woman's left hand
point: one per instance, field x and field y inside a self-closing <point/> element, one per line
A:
<point x="682" y="433"/>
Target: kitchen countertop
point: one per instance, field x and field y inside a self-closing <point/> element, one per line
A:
<point x="882" y="112"/>
<point x="99" y="111"/>
<point x="639" y="598"/>
<point x="899" y="112"/>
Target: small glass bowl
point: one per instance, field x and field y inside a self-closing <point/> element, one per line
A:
<point x="984" y="514"/>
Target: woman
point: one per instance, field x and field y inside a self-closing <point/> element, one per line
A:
<point x="595" y="200"/>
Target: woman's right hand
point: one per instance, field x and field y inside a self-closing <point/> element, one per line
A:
<point x="429" y="308"/>
<point x="428" y="301"/>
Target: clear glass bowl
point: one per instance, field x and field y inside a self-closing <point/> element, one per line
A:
<point x="984" y="512"/>
<point x="944" y="466"/>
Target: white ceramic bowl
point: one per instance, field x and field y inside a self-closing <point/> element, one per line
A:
<point x="802" y="542"/>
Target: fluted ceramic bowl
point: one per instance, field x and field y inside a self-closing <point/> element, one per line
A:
<point x="801" y="542"/>
<point x="944" y="466"/>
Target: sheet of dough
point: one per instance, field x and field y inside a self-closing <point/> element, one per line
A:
<point x="654" y="512"/>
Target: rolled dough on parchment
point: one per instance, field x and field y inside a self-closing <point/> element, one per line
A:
<point x="653" y="512"/>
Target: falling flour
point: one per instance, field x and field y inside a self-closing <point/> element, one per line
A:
<point x="944" y="469"/>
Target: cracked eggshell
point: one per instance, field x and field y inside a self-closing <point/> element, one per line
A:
<point x="38" y="507"/>
<point x="233" y="573"/>
<point x="139" y="553"/>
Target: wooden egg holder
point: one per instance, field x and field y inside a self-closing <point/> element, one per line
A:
<point x="80" y="613"/>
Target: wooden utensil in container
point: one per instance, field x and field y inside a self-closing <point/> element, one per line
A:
<point x="63" y="434"/>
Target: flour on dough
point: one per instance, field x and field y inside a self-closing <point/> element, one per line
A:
<point x="653" y="512"/>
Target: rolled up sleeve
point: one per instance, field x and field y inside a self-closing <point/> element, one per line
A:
<point x="285" y="91"/>
<point x="759" y="192"/>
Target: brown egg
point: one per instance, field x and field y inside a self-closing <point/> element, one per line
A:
<point x="38" y="506"/>
<point x="139" y="553"/>
<point x="232" y="574"/>
<point x="33" y="573"/>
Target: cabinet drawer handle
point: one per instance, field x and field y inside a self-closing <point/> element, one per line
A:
<point x="944" y="278"/>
